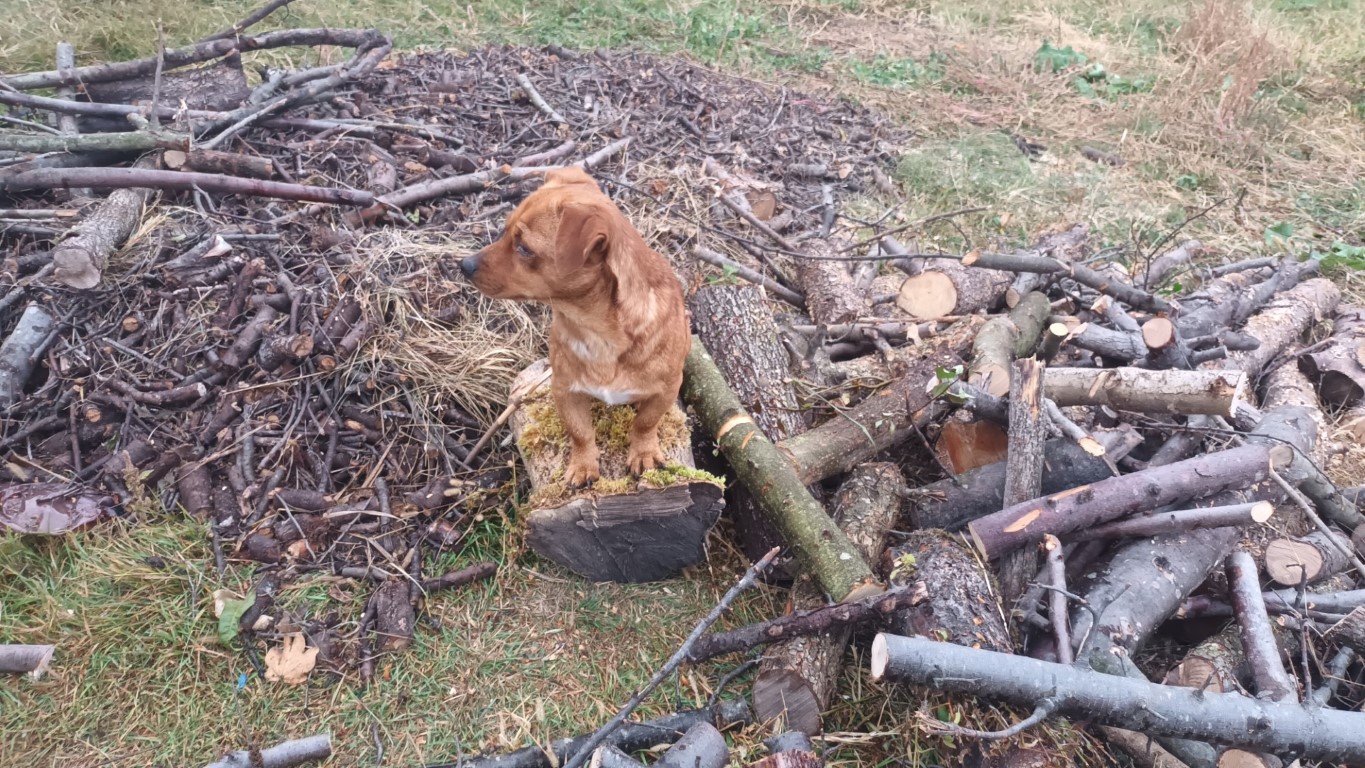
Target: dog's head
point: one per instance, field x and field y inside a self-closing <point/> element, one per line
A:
<point x="557" y="244"/>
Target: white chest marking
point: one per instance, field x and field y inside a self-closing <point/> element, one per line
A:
<point x="608" y="396"/>
<point x="593" y="350"/>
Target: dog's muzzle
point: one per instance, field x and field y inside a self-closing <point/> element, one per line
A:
<point x="470" y="265"/>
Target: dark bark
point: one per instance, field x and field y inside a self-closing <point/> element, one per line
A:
<point x="1104" y="282"/>
<point x="462" y="577"/>
<point x="213" y="161"/>
<point x="21" y="350"/>
<point x="959" y="604"/>
<point x="1339" y="367"/>
<point x="1350" y="631"/>
<point x="221" y="85"/>
<point x="1023" y="468"/>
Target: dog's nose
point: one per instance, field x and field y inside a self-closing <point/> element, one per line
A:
<point x="470" y="265"/>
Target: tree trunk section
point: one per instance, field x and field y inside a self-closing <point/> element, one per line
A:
<point x="960" y="603"/>
<point x="1339" y="368"/>
<point x="735" y="325"/>
<point x="1023" y="469"/>
<point x="218" y="87"/>
<point x="17" y="353"/>
<point x="213" y="161"/>
<point x="830" y="295"/>
<point x="1305" y="560"/>
<point x="619" y="529"/>
<point x="79" y="261"/>
<point x="796" y="678"/>
<point x="947" y="288"/>
<point x="1217" y="664"/>
<point x="1210" y="392"/>
<point x="1004" y="338"/>
<point x="1350" y="631"/>
<point x="951" y="503"/>
<point x="823" y="551"/>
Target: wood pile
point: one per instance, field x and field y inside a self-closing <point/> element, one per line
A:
<point x="1041" y="478"/>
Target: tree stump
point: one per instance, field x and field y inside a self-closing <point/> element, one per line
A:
<point x="618" y="529"/>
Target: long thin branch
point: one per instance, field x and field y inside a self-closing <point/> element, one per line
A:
<point x="124" y="178"/>
<point x="254" y="18"/>
<point x="772" y="286"/>
<point x="750" y="576"/>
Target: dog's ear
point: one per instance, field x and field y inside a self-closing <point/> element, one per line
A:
<point x="568" y="176"/>
<point x="584" y="233"/>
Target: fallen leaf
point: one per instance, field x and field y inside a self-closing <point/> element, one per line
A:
<point x="50" y="508"/>
<point x="763" y="204"/>
<point x="230" y="609"/>
<point x="290" y="662"/>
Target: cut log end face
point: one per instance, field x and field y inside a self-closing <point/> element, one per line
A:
<point x="928" y="296"/>
<point x="1158" y="333"/>
<point x="1291" y="563"/>
<point x="880" y="657"/>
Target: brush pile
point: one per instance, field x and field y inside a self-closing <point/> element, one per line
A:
<point x="1045" y="477"/>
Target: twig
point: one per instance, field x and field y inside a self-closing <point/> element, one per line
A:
<point x="1056" y="601"/>
<point x="153" y="117"/>
<point x="912" y="225"/>
<point x="538" y="100"/>
<point x="251" y="20"/>
<point x="750" y="577"/>
<point x="512" y="404"/>
<point x="1043" y="711"/>
<point x="123" y="178"/>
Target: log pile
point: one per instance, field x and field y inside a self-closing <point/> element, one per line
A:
<point x="1007" y="475"/>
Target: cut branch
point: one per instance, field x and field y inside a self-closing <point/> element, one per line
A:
<point x="1216" y="393"/>
<point x="284" y="755"/>
<point x="146" y="178"/>
<point x="1237" y="515"/>
<point x="1258" y="639"/>
<point x="79" y="261"/>
<point x="31" y="660"/>
<point x="1306" y="560"/>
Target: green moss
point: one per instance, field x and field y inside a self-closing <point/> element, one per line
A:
<point x="676" y="475"/>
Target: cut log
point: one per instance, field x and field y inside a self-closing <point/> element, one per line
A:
<point x="79" y="261"/>
<point x="1283" y="321"/>
<point x="883" y="420"/>
<point x="796" y="678"/>
<point x="966" y="445"/>
<point x="1120" y="346"/>
<point x="1145" y="752"/>
<point x="619" y="529"/>
<point x="946" y="288"/>
<point x="1350" y="631"/>
<point x="218" y="87"/>
<point x="1217" y="664"/>
<point x="1228" y="301"/>
<point x="949" y="504"/>
<point x="21" y="351"/>
<point x="1023" y="468"/>
<point x="1110" y="282"/>
<point x="830" y="294"/>
<point x="735" y="325"/>
<point x="1004" y="338"/>
<point x="1239" y="515"/>
<point x="1339" y="367"/>
<point x="823" y="551"/>
<point x="1305" y="560"/>
<point x="286" y="754"/>
<point x="789" y="750"/>
<point x="1025" y="524"/>
<point x="960" y="604"/>
<point x="213" y="161"/>
<point x="1073" y="690"/>
<point x="1165" y="347"/>
<point x="1209" y="392"/>
<point x="31" y="660"/>
<point x="1268" y="674"/>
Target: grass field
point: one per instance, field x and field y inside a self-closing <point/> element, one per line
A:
<point x="1243" y="122"/>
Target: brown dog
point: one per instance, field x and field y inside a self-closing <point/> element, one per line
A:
<point x="619" y="332"/>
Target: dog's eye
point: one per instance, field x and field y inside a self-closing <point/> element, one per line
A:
<point x="524" y="252"/>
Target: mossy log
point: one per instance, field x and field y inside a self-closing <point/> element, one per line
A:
<point x="618" y="529"/>
<point x="822" y="550"/>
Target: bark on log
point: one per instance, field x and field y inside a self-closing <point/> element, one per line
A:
<point x="1305" y="560"/>
<point x="1284" y="320"/>
<point x="630" y="531"/>
<point x="16" y="177"/>
<point x="213" y="161"/>
<point x="20" y="350"/>
<point x="1239" y="515"/>
<point x="827" y="285"/>
<point x="1025" y="524"/>
<point x="789" y="750"/>
<point x="959" y="605"/>
<point x="1283" y="728"/>
<point x="1209" y="392"/>
<point x="630" y="737"/>
<point x="946" y="288"/>
<point x="1162" y="266"/>
<point x="1067" y="245"/>
<point x="31" y="660"/>
<point x="951" y="503"/>
<point x="1339" y="367"/>
<point x="1350" y="631"/>
<point x="879" y="422"/>
<point x="735" y="325"/>
<point x="1258" y="639"/>
<point x="1145" y="752"/>
<point x="1228" y="301"/>
<point x="1023" y="469"/>
<point x="1104" y="281"/>
<point x="219" y="86"/>
<point x="1121" y="346"/>
<point x="824" y="552"/>
<point x="1327" y="602"/>
<point x="1004" y="338"/>
<point x="1217" y="664"/>
<point x="796" y="678"/>
<point x="286" y="754"/>
<point x="79" y="260"/>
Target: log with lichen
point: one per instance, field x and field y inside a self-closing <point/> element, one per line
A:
<point x="620" y="528"/>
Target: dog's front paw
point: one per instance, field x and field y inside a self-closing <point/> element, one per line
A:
<point x="644" y="457"/>
<point x="581" y="472"/>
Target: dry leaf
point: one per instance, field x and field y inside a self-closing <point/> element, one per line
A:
<point x="290" y="662"/>
<point x="49" y="508"/>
